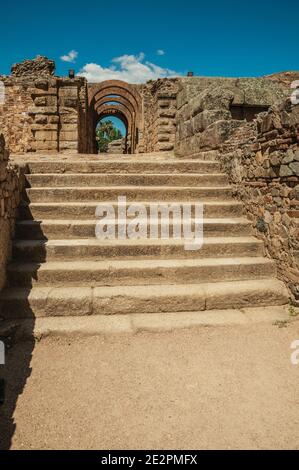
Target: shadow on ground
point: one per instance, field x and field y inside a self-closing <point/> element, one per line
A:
<point x="18" y="349"/>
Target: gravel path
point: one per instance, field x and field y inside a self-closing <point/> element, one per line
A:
<point x="205" y="388"/>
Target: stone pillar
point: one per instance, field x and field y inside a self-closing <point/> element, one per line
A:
<point x="45" y="116"/>
<point x="166" y="121"/>
<point x="69" y="116"/>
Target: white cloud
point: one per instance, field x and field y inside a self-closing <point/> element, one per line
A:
<point x="160" y="52"/>
<point x="129" y="68"/>
<point x="70" y="57"/>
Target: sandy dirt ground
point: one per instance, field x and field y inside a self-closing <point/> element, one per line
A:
<point x="205" y="388"/>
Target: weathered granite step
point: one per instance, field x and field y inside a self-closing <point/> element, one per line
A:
<point x="139" y="272"/>
<point x="86" y="210"/>
<point x="132" y="193"/>
<point x="67" y="301"/>
<point x="203" y="155"/>
<point x="109" y="166"/>
<point x="64" y="229"/>
<point x="95" y="249"/>
<point x="161" y="163"/>
<point x="169" y="179"/>
<point x="59" y="268"/>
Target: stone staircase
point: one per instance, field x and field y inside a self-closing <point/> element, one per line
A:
<point x="59" y="267"/>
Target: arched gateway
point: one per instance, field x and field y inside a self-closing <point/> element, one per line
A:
<point x="119" y="99"/>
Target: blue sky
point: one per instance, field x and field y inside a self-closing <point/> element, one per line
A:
<point x="138" y="40"/>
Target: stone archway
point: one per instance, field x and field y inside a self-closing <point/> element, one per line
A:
<point x="119" y="99"/>
<point x="108" y="110"/>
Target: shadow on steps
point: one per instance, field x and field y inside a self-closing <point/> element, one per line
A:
<point x="18" y="351"/>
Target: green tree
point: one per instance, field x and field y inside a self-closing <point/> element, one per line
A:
<point x="106" y="132"/>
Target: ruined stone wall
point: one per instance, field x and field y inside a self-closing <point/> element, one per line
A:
<point x="11" y="183"/>
<point x="42" y="113"/>
<point x="261" y="159"/>
<point x="159" y="109"/>
<point x="15" y="122"/>
<point x="210" y="109"/>
<point x="47" y="114"/>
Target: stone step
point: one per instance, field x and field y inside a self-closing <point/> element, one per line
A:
<point x="294" y="214"/>
<point x="124" y="166"/>
<point x="139" y="272"/>
<point x="86" y="210"/>
<point x="203" y="155"/>
<point x="66" y="301"/>
<point x="64" y="229"/>
<point x="132" y="193"/>
<point x="91" y="179"/>
<point x="95" y="249"/>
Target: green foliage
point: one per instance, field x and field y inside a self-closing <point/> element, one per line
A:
<point x="106" y="132"/>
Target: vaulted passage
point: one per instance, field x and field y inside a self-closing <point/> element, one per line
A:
<point x="111" y="134"/>
<point x="116" y="99"/>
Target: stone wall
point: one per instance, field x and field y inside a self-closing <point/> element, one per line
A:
<point x="116" y="146"/>
<point x="11" y="183"/>
<point x="210" y="109"/>
<point x="15" y="122"/>
<point x="42" y="113"/>
<point x="159" y="109"/>
<point x="261" y="159"/>
<point x="48" y="114"/>
<point x="39" y="67"/>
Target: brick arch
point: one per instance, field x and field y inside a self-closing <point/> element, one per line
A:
<point x="119" y="100"/>
<point x="128" y="105"/>
<point x="122" y="113"/>
<point x="114" y="87"/>
<point x="115" y="110"/>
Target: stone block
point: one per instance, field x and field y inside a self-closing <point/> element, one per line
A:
<point x="53" y="119"/>
<point x="65" y="145"/>
<point x="69" y="102"/>
<point x="295" y="168"/>
<point x="167" y="113"/>
<point x="289" y="157"/>
<point x="68" y="92"/>
<point x="44" y="127"/>
<point x="40" y="92"/>
<point x="163" y="137"/>
<point x="42" y="84"/>
<point x="285" y="171"/>
<point x="69" y="127"/>
<point x="45" y="145"/>
<point x="201" y="121"/>
<point x="41" y="119"/>
<point x="40" y="101"/>
<point x="267" y="124"/>
<point x="68" y="135"/>
<point x="274" y="159"/>
<point x="165" y="146"/>
<point x="44" y="135"/>
<point x="32" y="110"/>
